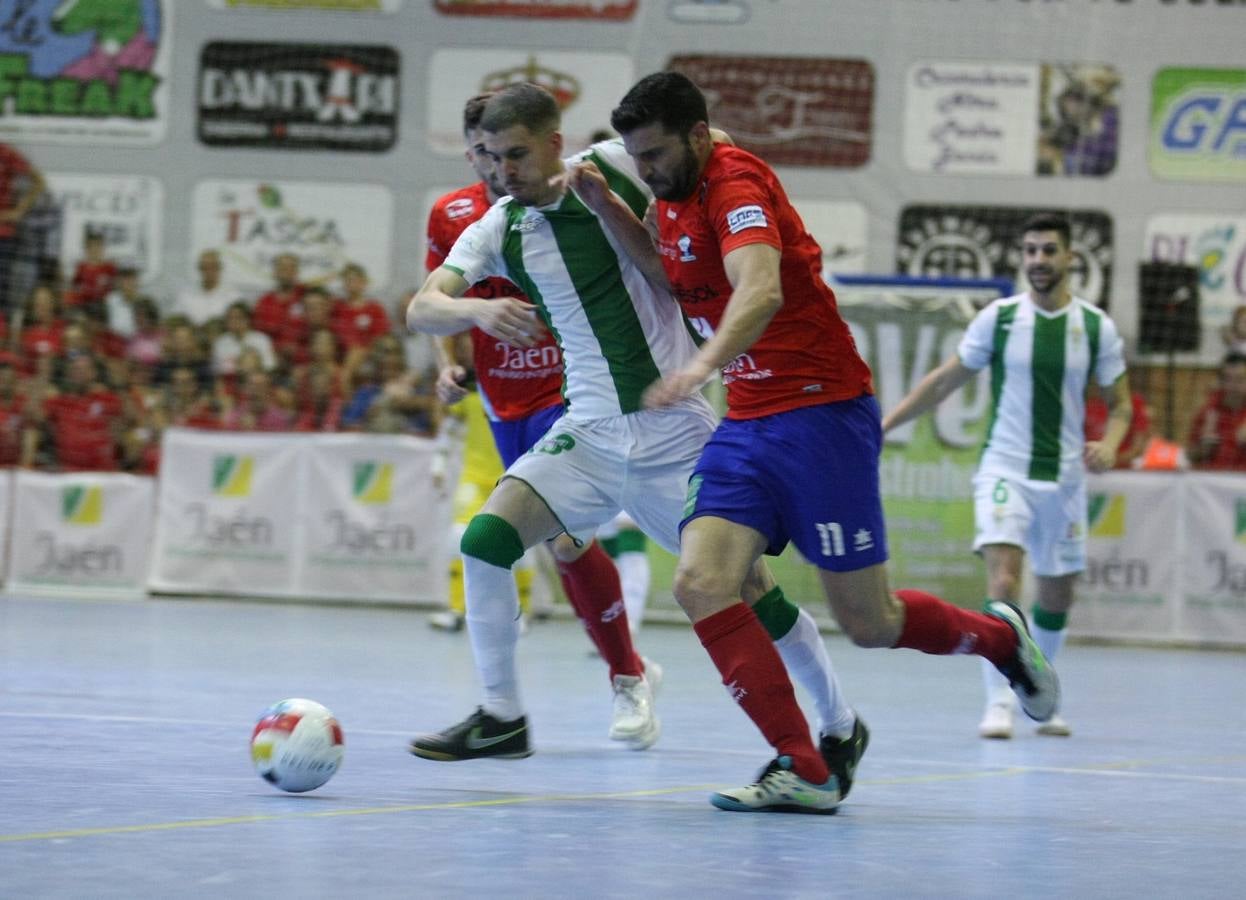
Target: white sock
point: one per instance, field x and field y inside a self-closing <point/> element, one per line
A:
<point x="493" y="625"/>
<point x="995" y="684"/>
<point x="1049" y="642"/>
<point x="634" y="575"/>
<point x="807" y="661"/>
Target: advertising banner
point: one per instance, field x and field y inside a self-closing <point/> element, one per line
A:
<point x="83" y="532"/>
<point x="1215" y="243"/>
<point x="298" y="96"/>
<point x="85" y="71"/>
<point x="6" y="520"/>
<point x="789" y="110"/>
<point x="228" y="508"/>
<point x="586" y="85"/>
<point x="1004" y="118"/>
<point x="375" y="526"/>
<point x="951" y="241"/>
<point x="1213" y="586"/>
<point x="127" y="209"/>
<point x="1133" y="557"/>
<point x="1198" y="124"/>
<point x="927" y="466"/>
<point x="324" y="223"/>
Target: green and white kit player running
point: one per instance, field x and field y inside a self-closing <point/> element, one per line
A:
<point x="1043" y="348"/>
<point x="618" y="334"/>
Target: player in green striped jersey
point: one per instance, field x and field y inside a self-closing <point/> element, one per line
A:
<point x="1043" y="349"/>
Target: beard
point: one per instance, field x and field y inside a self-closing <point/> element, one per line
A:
<point x="680" y="184"/>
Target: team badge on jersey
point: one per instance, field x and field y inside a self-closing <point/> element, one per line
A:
<point x="685" y="249"/>
<point x="751" y="216"/>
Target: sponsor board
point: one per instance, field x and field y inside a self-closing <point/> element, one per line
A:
<point x="794" y="111"/>
<point x="1213" y="587"/>
<point x="936" y="241"/>
<point x="85" y="71"/>
<point x="609" y="10"/>
<point x="325" y="224"/>
<point x="839" y="227"/>
<point x="126" y="209"/>
<point x="81" y="532"/>
<point x="1214" y="243"/>
<point x="298" y="96"/>
<point x="709" y="12"/>
<point x="1004" y="118"/>
<point x="1198" y="124"/>
<point x="586" y="85"/>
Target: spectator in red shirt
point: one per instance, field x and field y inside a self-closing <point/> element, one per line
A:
<point x="279" y="313"/>
<point x="1218" y="432"/>
<point x="319" y="311"/>
<point x="358" y="319"/>
<point x="1136" y="437"/>
<point x="42" y="330"/>
<point x="259" y="408"/>
<point x="94" y="276"/>
<point x="322" y="353"/>
<point x="320" y="408"/>
<point x="21" y="186"/>
<point x="82" y="423"/>
<point x="12" y="411"/>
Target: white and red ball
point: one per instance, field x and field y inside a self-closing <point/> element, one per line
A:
<point x="296" y="745"/>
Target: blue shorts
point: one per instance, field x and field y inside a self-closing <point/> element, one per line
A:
<point x="808" y="476"/>
<point x="516" y="438"/>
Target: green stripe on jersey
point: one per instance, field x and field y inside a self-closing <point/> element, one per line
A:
<point x="633" y="196"/>
<point x="1047" y="366"/>
<point x="594" y="270"/>
<point x="512" y="255"/>
<point x="1092" y="320"/>
<point x="1003" y="327"/>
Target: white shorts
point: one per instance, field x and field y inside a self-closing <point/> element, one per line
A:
<point x="1046" y="519"/>
<point x="588" y="471"/>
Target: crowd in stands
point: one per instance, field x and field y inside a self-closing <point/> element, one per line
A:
<point x="92" y="371"/>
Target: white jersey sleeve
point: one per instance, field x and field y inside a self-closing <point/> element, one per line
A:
<point x="1111" y="363"/>
<point x="477" y="253"/>
<point x="978" y="344"/>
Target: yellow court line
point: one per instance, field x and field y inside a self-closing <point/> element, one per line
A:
<point x="1104" y="768"/>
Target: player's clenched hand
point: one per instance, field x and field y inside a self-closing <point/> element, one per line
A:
<point x="449" y="385"/>
<point x="674" y="388"/>
<point x="1098" y="457"/>
<point x="510" y="319"/>
<point x="587" y="181"/>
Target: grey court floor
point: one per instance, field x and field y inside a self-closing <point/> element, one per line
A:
<point x="124" y="770"/>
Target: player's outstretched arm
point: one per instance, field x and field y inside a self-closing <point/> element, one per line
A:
<point x="439" y="308"/>
<point x="929" y="393"/>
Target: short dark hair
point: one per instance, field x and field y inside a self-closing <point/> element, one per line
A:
<point x="1233" y="359"/>
<point x="524" y="104"/>
<point x="473" y="109"/>
<point x="667" y="98"/>
<point x="1050" y="221"/>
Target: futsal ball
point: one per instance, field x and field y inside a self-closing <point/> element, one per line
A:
<point x="296" y="745"/>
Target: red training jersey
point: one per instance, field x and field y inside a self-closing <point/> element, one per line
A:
<point x="358" y="325"/>
<point x="82" y="429"/>
<point x="516" y="381"/>
<point x="806" y="356"/>
<point x="280" y="316"/>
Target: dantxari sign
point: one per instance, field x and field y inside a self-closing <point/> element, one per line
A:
<point x="84" y="70"/>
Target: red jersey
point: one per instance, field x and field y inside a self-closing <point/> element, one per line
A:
<point x="359" y="325"/>
<point x="82" y="429"/>
<point x="1217" y="417"/>
<point x="38" y="341"/>
<point x="806" y="355"/>
<point x="281" y="317"/>
<point x="12" y="422"/>
<point x="516" y="381"/>
<point x="91" y="282"/>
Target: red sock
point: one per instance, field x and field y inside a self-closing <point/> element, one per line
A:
<point x="593" y="588"/>
<point x="754" y="675"/>
<point x="935" y="626"/>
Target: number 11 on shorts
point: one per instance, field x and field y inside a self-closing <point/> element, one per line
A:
<point x="832" y="536"/>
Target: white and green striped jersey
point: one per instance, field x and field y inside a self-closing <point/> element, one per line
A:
<point x="1041" y="364"/>
<point x="618" y="333"/>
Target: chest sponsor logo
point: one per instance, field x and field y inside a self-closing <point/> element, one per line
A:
<point x="685" y="249"/>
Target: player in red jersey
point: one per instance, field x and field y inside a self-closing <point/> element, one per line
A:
<point x="797" y="457"/>
<point x="521" y="390"/>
